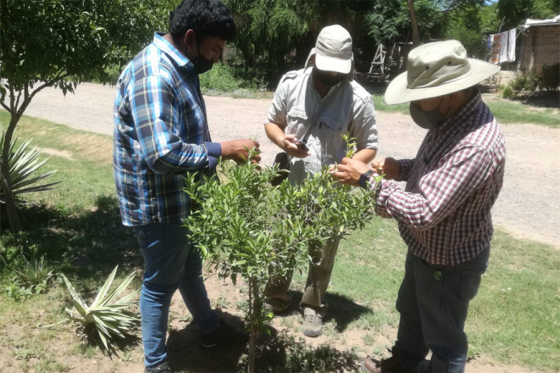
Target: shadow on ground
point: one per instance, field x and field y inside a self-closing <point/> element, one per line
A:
<point x="342" y="310"/>
<point x="85" y="244"/>
<point x="541" y="99"/>
<point x="276" y="353"/>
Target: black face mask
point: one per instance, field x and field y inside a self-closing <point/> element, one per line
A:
<point x="326" y="78"/>
<point x="201" y="64"/>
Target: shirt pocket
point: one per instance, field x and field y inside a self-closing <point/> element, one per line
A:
<point x="297" y="123"/>
<point x="334" y="125"/>
<point x="331" y="130"/>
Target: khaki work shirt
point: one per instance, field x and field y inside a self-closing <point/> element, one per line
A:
<point x="347" y="109"/>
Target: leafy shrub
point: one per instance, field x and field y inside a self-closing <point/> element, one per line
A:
<point x="229" y="78"/>
<point x="248" y="228"/>
<point x="508" y="93"/>
<point x="519" y="83"/>
<point x="533" y="81"/>
<point x="106" y="317"/>
<point x="550" y="77"/>
<point x="32" y="277"/>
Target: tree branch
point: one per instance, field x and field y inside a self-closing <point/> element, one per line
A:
<point x="451" y="7"/>
<point x="18" y="97"/>
<point x="4" y="106"/>
<point x="12" y="109"/>
<point x="49" y="83"/>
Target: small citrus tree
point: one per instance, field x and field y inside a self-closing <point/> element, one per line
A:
<point x="246" y="227"/>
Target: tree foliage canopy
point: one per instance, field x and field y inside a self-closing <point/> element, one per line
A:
<point x="515" y="12"/>
<point x="43" y="40"/>
<point x="59" y="43"/>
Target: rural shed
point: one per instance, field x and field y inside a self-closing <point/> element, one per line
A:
<point x="540" y="43"/>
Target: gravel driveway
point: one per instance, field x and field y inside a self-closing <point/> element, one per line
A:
<point x="528" y="206"/>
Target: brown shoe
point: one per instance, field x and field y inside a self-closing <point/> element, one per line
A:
<point x="390" y="365"/>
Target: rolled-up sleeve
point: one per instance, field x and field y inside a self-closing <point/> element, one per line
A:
<point x="441" y="191"/>
<point x="277" y="112"/>
<point x="406" y="167"/>
<point x="364" y="126"/>
<point x="154" y="113"/>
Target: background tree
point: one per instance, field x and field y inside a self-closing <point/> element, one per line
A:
<point x="276" y="35"/>
<point x="413" y="23"/>
<point x="515" y="12"/>
<point x="471" y="24"/>
<point x="59" y="43"/>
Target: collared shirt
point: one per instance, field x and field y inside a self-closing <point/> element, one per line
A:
<point x="346" y="110"/>
<point x="161" y="133"/>
<point x="444" y="212"/>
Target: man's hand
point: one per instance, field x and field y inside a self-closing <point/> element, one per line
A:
<point x="238" y="150"/>
<point x="388" y="166"/>
<point x="349" y="171"/>
<point x="290" y="144"/>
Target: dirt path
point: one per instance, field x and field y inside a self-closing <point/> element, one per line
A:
<point x="528" y="205"/>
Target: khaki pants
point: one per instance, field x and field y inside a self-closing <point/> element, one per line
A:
<point x="318" y="280"/>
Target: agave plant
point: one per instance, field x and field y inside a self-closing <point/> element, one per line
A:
<point x="107" y="314"/>
<point x="22" y="163"/>
<point x="35" y="274"/>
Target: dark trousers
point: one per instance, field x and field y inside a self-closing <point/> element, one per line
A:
<point x="433" y="303"/>
<point x="318" y="281"/>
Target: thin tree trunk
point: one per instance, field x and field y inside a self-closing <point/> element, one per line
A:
<point x="15" y="115"/>
<point x="11" y="208"/>
<point x="252" y="302"/>
<point x="414" y="23"/>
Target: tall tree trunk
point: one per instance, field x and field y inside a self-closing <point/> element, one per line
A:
<point x="414" y="23"/>
<point x="11" y="208"/>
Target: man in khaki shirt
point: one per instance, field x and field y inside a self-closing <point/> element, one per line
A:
<point x="311" y="110"/>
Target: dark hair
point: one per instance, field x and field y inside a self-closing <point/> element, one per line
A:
<point x="204" y="17"/>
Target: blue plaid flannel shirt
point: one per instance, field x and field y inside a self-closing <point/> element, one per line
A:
<point x="161" y="133"/>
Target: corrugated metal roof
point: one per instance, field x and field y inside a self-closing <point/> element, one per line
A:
<point x="542" y="24"/>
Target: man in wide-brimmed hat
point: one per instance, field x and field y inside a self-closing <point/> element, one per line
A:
<point x="312" y="109"/>
<point x="444" y="211"/>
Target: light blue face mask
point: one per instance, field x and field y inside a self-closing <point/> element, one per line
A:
<point x="427" y="119"/>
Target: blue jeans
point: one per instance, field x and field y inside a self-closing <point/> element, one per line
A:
<point x="433" y="302"/>
<point x="171" y="263"/>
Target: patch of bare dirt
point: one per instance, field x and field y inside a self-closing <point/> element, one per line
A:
<point x="58" y="153"/>
<point x="528" y="205"/>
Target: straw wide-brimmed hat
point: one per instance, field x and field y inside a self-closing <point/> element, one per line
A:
<point x="333" y="50"/>
<point x="436" y="69"/>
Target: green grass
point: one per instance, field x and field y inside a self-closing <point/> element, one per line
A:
<point x="232" y="81"/>
<point x="381" y="105"/>
<point x="78" y="227"/>
<point x="518" y="326"/>
<point x="515" y="112"/>
<point x="505" y="111"/>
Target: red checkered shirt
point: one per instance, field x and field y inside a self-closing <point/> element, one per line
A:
<point x="444" y="212"/>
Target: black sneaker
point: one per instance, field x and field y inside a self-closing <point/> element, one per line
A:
<point x="162" y="368"/>
<point x="223" y="333"/>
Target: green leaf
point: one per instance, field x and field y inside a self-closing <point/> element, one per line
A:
<point x="104" y="289"/>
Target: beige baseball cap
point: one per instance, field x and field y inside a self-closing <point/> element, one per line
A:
<point x="333" y="50"/>
<point x="437" y="69"/>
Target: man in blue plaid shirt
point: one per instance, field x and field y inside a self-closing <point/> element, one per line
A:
<point x="161" y="134"/>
